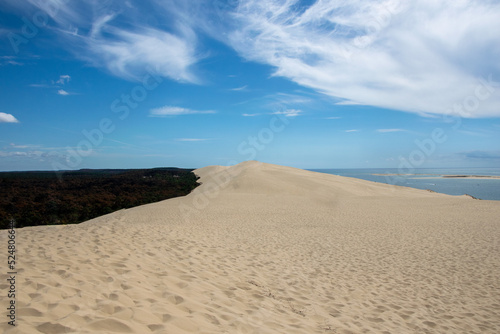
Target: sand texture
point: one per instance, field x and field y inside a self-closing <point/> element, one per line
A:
<point x="260" y="248"/>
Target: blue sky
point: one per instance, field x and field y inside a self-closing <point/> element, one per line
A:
<point x="309" y="84"/>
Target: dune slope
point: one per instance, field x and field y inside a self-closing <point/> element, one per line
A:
<point x="260" y="248"/>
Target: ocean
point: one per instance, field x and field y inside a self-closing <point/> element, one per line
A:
<point x="430" y="178"/>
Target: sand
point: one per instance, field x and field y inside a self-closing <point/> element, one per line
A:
<point x="260" y="248"/>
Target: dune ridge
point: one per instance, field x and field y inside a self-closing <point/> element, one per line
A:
<point x="261" y="248"/>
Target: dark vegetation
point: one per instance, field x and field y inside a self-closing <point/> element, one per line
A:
<point x="47" y="198"/>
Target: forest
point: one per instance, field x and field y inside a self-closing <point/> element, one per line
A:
<point x="71" y="197"/>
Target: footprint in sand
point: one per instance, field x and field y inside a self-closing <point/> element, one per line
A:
<point x="29" y="312"/>
<point x="174" y="299"/>
<point x="51" y="328"/>
<point x="155" y="327"/>
<point x="110" y="325"/>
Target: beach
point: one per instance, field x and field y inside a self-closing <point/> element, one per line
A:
<point x="260" y="248"/>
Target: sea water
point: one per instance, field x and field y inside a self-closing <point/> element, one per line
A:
<point x="431" y="179"/>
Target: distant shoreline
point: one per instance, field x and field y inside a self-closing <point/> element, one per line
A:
<point x="473" y="177"/>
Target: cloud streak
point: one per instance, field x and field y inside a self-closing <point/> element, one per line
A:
<point x="24" y="146"/>
<point x="389" y="130"/>
<point x="242" y="88"/>
<point x="176" y="111"/>
<point x="191" y="139"/>
<point x="288" y="112"/>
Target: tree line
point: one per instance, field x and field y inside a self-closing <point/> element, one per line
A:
<point x="46" y="198"/>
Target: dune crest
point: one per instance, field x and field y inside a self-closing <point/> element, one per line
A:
<point x="261" y="248"/>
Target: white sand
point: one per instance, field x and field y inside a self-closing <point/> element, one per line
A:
<point x="272" y="250"/>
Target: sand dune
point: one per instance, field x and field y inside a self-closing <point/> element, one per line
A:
<point x="259" y="248"/>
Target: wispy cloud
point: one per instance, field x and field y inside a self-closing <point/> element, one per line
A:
<point x="290" y="99"/>
<point x="352" y="130"/>
<point x="191" y="139"/>
<point x="130" y="53"/>
<point x="176" y="111"/>
<point x="94" y="32"/>
<point x="390" y="130"/>
<point x="24" y="146"/>
<point x="277" y="103"/>
<point x="36" y="154"/>
<point x="62" y="92"/>
<point x="348" y="103"/>
<point x="40" y="86"/>
<point x="417" y="56"/>
<point x="63" y="79"/>
<point x="13" y="154"/>
<point x="7" y="118"/>
<point x="288" y="112"/>
<point x="250" y="115"/>
<point x="242" y="88"/>
<point x="333" y="117"/>
<point x="11" y="62"/>
<point x="478" y="132"/>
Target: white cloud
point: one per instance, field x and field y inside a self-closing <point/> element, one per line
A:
<point x="95" y="32"/>
<point x="130" y="53"/>
<point x="62" y="92"/>
<point x="176" y="111"/>
<point x="288" y="112"/>
<point x="63" y="79"/>
<point x="7" y="118"/>
<point x="352" y="130"/>
<point x="250" y="115"/>
<point x="390" y="130"/>
<point x="420" y="56"/>
<point x="240" y="88"/>
<point x="333" y="117"/>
